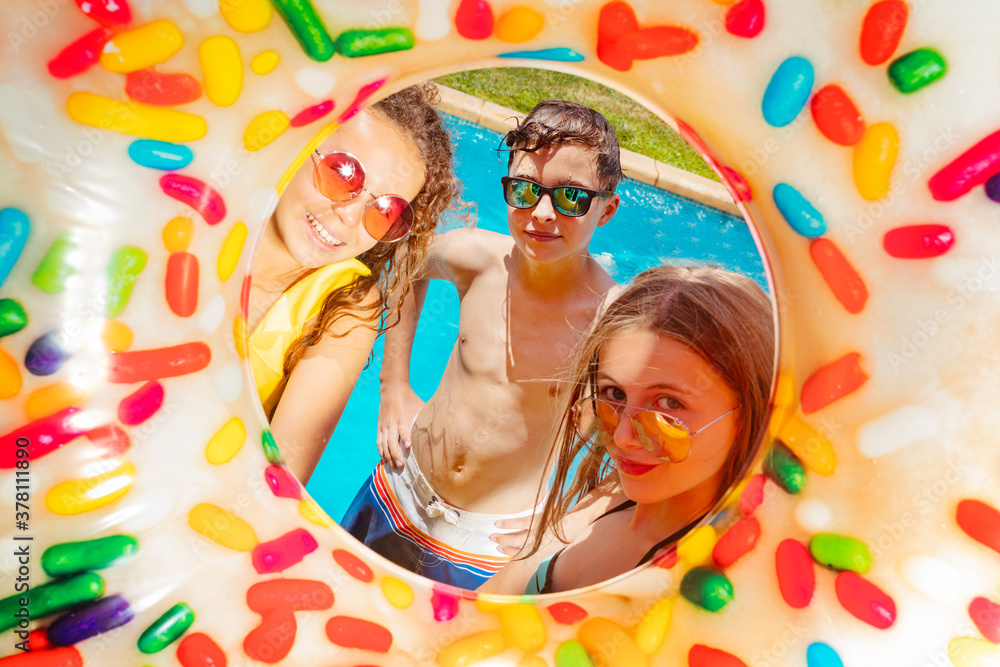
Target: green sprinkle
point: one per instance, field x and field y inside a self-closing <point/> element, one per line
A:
<point x="357" y="43"/>
<point x="71" y="557"/>
<point x="840" y="552"/>
<point x="12" y="317"/>
<point x="916" y="69"/>
<point x="706" y="587"/>
<point x="123" y="270"/>
<point x="572" y="654"/>
<point x="271" y="450"/>
<point x="51" y="597"/>
<point x="54" y="269"/>
<point x="785" y="469"/>
<point x="166" y="628"/>
<point x="308" y="28"/>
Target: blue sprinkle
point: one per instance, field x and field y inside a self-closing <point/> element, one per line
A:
<point x="992" y="190"/>
<point x="46" y="355"/>
<point x="160" y="154"/>
<point x="90" y="620"/>
<point x="14" y="227"/>
<point x="821" y="655"/>
<point x="788" y="91"/>
<point x="800" y="214"/>
<point x="561" y="54"/>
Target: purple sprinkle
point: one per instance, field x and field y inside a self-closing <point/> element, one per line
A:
<point x="90" y="620"/>
<point x="993" y="187"/>
<point x="46" y="355"/>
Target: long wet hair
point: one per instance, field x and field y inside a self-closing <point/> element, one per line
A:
<point x="393" y="265"/>
<point x="724" y="317"/>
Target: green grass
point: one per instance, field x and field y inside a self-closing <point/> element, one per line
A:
<point x="638" y="129"/>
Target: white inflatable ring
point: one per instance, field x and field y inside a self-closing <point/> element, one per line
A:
<point x="855" y="137"/>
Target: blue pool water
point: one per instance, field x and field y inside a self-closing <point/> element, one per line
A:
<point x="652" y="227"/>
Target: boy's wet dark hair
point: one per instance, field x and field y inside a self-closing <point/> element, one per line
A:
<point x="558" y="122"/>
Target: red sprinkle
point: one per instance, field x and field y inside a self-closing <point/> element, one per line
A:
<point x="364" y="93"/>
<point x="271" y="641"/>
<point x="141" y="404"/>
<point x="973" y="167"/>
<point x="753" y="495"/>
<point x="311" y="114"/>
<point x="986" y="615"/>
<point x="196" y="194"/>
<point x="865" y="601"/>
<point x="161" y="362"/>
<point x="848" y="287"/>
<point x="444" y="603"/>
<point x="109" y="13"/>
<point x="152" y="87"/>
<point x="67" y="656"/>
<point x="615" y="20"/>
<point x="44" y="436"/>
<point x="736" y="542"/>
<point x="283" y="552"/>
<point x="182" y="283"/>
<point x="198" y="650"/>
<point x="245" y="296"/>
<point x="738" y="186"/>
<point x="474" y="19"/>
<point x="358" y="633"/>
<point x="38" y="640"/>
<point x="79" y="55"/>
<point x="705" y="656"/>
<point x="980" y="521"/>
<point x="832" y="382"/>
<point x="567" y="613"/>
<point x="282" y="482"/>
<point x="882" y="29"/>
<point x="745" y="18"/>
<point x="796" y="576"/>
<point x="353" y="565"/>
<point x="111" y="439"/>
<point x="290" y="595"/>
<point x="918" y="241"/>
<point x="836" y="116"/>
<point x="659" y="41"/>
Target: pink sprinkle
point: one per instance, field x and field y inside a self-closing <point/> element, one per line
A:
<point x="283" y="484"/>
<point x="312" y="114"/>
<point x="753" y="495"/>
<point x="195" y="194"/>
<point x="971" y="168"/>
<point x="745" y="18"/>
<point x="142" y="404"/>
<point x="366" y="91"/>
<point x="80" y="55"/>
<point x="109" y="13"/>
<point x="445" y="604"/>
<point x="282" y="553"/>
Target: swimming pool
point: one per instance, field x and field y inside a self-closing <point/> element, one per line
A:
<point x="652" y="227"/>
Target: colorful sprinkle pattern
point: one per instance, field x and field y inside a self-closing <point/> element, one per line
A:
<point x="883" y="273"/>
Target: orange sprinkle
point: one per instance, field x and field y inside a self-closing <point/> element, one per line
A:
<point x="832" y="382"/>
<point x="52" y="398"/>
<point x="848" y="287"/>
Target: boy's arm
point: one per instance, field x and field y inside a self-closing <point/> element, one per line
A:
<point x="458" y="257"/>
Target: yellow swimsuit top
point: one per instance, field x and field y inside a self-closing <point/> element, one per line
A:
<point x="286" y="320"/>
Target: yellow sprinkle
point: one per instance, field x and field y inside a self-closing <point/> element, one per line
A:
<point x="117" y="337"/>
<point x="134" y="118"/>
<point x="312" y="512"/>
<point x="785" y="402"/>
<point x="141" y="47"/>
<point x="874" y="158"/>
<point x="222" y="527"/>
<point x="90" y="493"/>
<point x="10" y="376"/>
<point x="522" y="627"/>
<point x="653" y="627"/>
<point x="229" y="256"/>
<point x="225" y="444"/>
<point x="471" y="649"/>
<point x="609" y="644"/>
<point x="264" y="129"/>
<point x="239" y="336"/>
<point x="489" y="603"/>
<point x="52" y="398"/>
<point x="177" y="234"/>
<point x="519" y="25"/>
<point x="221" y="69"/>
<point x="246" y="15"/>
<point x="696" y="547"/>
<point x="398" y="593"/>
<point x="806" y="443"/>
<point x="973" y="652"/>
<point x="264" y="62"/>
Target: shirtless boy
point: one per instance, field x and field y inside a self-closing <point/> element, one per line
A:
<point x="476" y="451"/>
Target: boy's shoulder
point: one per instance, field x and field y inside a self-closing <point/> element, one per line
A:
<point x="467" y="252"/>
